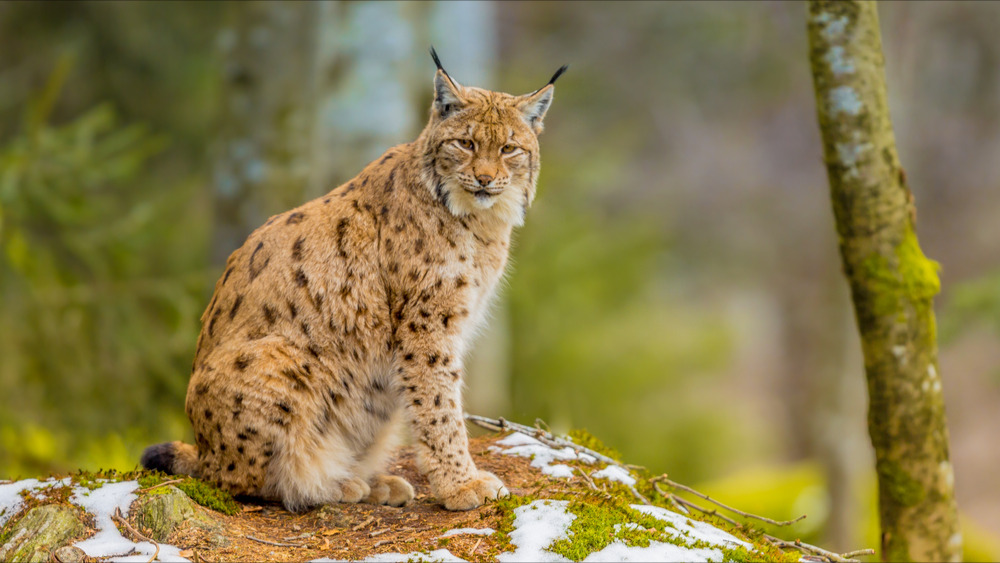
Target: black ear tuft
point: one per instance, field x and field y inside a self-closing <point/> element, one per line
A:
<point x="437" y="61"/>
<point x="558" y="73"/>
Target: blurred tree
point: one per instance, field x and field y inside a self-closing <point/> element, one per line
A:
<point x="262" y="164"/>
<point x="892" y="285"/>
<point x="99" y="289"/>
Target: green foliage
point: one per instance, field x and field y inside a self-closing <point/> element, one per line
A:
<point x="591" y="333"/>
<point x="100" y="313"/>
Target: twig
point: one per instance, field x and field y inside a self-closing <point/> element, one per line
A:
<point x="117" y="517"/>
<point x="279" y="544"/>
<point x="363" y="524"/>
<point x="663" y="479"/>
<point x="163" y="484"/>
<point x="672" y="499"/>
<point x="828" y="555"/>
<point x="378" y="532"/>
<point x="590" y="481"/>
<point x="383" y="542"/>
<point x="547" y="438"/>
<point x="300" y="536"/>
<point x="684" y="503"/>
<point x="777" y="542"/>
<point x="638" y="495"/>
<point x="472" y="552"/>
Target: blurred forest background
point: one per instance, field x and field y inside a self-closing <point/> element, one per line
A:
<point x="676" y="289"/>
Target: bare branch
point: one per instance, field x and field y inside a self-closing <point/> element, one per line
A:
<point x="279" y="544"/>
<point x="117" y="517"/>
<point x="163" y="484"/>
<point x="547" y="438"/>
<point x="664" y="479"/>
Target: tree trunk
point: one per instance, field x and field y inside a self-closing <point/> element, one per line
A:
<point x="262" y="165"/>
<point x="892" y="285"/>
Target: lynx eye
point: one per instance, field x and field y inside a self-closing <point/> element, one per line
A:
<point x="466" y="144"/>
<point x="507" y="149"/>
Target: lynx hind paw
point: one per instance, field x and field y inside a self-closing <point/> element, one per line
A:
<point x="485" y="486"/>
<point x="391" y="490"/>
<point x="353" y="490"/>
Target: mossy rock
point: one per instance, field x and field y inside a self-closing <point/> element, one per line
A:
<point x="165" y="509"/>
<point x="41" y="530"/>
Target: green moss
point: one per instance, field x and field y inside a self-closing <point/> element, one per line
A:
<point x="602" y="520"/>
<point x="202" y="493"/>
<point x="586" y="439"/>
<point x="919" y="274"/>
<point x="209" y="496"/>
<point x="594" y="528"/>
<point x="911" y="276"/>
<point x="899" y="485"/>
<point x="504" y="509"/>
<point x="7" y="532"/>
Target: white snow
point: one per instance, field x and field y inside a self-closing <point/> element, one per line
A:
<point x="656" y="551"/>
<point x="614" y="473"/>
<point x="688" y="529"/>
<point x="10" y="498"/>
<point x="108" y="541"/>
<point x="541" y="455"/>
<point x="536" y="527"/>
<point x="469" y="531"/>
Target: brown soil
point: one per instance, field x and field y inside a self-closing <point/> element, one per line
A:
<point x="356" y="531"/>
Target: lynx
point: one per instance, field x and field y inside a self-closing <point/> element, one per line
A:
<point x="339" y="321"/>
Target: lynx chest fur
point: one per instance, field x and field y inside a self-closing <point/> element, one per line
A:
<point x="345" y="318"/>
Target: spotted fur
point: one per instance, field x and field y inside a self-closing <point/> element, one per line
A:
<point x="339" y="321"/>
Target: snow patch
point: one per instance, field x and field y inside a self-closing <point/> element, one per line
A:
<point x="614" y="473"/>
<point x="108" y="541"/>
<point x="10" y="498"/>
<point x="656" y="551"/>
<point x="536" y="526"/>
<point x="541" y="455"/>
<point x="691" y="530"/>
<point x="469" y="531"/>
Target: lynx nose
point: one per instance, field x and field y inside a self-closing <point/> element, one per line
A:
<point x="484" y="179"/>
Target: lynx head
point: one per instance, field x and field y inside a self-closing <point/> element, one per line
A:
<point x="482" y="147"/>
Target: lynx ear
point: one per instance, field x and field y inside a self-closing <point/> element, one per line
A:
<point x="447" y="92"/>
<point x="534" y="105"/>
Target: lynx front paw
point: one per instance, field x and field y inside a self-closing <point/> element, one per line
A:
<point x="391" y="490"/>
<point x="466" y="496"/>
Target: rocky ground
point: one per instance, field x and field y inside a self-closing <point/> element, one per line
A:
<point x="565" y="505"/>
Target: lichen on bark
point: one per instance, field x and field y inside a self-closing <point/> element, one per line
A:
<point x="41" y="530"/>
<point x="892" y="284"/>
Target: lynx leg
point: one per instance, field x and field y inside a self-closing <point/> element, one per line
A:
<point x="432" y="379"/>
<point x="302" y="477"/>
<point x="385" y="489"/>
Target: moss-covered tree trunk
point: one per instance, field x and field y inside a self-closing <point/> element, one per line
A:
<point x="892" y="284"/>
